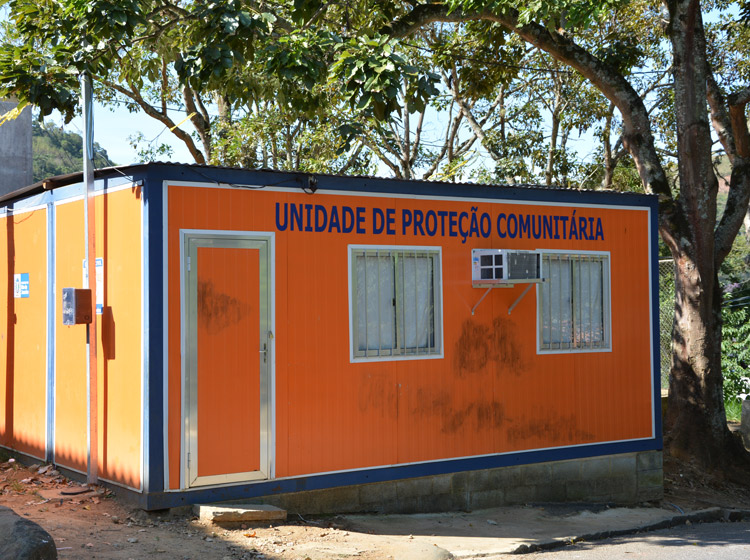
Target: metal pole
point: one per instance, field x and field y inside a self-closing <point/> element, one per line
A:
<point x="92" y="408"/>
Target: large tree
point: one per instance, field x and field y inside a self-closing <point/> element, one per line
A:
<point x="698" y="241"/>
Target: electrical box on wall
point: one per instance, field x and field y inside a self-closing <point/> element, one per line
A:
<point x="76" y="306"/>
<point x="492" y="267"/>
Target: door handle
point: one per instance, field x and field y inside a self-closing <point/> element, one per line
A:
<point x="265" y="347"/>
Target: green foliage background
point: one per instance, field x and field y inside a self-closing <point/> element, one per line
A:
<point x="58" y="152"/>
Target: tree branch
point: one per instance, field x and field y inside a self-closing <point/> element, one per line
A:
<point x="737" y="103"/>
<point x="196" y="118"/>
<point x="417" y="139"/>
<point x="739" y="183"/>
<point x="352" y="158"/>
<point x="382" y="157"/>
<point x="637" y="135"/>
<point x="719" y="116"/>
<point x="466" y="112"/>
<point x="162" y="118"/>
<point x="450" y="135"/>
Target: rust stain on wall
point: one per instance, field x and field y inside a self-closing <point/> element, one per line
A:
<point x="555" y="429"/>
<point x="472" y="348"/>
<point x="377" y="391"/>
<point x="430" y="403"/>
<point x="479" y="345"/>
<point x="480" y="415"/>
<point x="505" y="344"/>
<point x="216" y="311"/>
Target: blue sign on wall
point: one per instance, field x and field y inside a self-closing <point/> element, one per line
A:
<point x="21" y="285"/>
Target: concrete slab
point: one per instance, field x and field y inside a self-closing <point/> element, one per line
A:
<point x="239" y="513"/>
<point x="74" y="493"/>
<point x="496" y="531"/>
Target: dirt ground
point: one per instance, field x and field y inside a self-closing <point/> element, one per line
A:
<point x="92" y="523"/>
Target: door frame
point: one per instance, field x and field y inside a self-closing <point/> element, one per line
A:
<point x="188" y="391"/>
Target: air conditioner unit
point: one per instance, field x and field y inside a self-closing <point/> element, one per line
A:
<point x="492" y="267"/>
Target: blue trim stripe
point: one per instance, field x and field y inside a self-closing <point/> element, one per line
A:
<point x="164" y="500"/>
<point x="656" y="324"/>
<point x="153" y="415"/>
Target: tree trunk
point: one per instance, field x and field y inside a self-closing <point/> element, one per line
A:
<point x="695" y="422"/>
<point x="225" y="120"/>
<point x="552" y="150"/>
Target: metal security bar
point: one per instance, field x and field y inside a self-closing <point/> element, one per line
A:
<point x="395" y="302"/>
<point x="574" y="312"/>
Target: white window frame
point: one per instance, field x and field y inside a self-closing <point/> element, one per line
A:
<point x="356" y="355"/>
<point x="559" y="348"/>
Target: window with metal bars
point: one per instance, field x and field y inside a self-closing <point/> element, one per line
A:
<point x="574" y="310"/>
<point x="395" y="302"/>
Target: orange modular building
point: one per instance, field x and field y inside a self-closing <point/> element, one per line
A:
<point x="267" y="332"/>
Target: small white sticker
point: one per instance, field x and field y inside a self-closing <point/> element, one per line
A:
<point x="21" y="285"/>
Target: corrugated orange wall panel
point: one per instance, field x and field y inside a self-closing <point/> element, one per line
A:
<point x="120" y="334"/>
<point x="24" y="335"/>
<point x="490" y="393"/>
<point x="23" y="344"/>
<point x="228" y="373"/>
<point x="70" y="341"/>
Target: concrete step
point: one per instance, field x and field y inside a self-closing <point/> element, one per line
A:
<point x="238" y="513"/>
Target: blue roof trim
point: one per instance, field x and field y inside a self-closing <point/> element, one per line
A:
<point x="265" y="177"/>
<point x="383" y="474"/>
<point x="243" y="177"/>
<point x="655" y="322"/>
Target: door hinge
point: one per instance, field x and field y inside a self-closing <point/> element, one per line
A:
<point x="188" y="264"/>
<point x="188" y="461"/>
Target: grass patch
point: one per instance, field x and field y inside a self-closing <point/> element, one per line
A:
<point x="734" y="410"/>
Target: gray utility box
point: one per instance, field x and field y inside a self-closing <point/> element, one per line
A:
<point x="76" y="306"/>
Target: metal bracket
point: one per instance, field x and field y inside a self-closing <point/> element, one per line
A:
<point x="480" y="300"/>
<point x="487" y="292"/>
<point x="519" y="298"/>
<point x="504" y="285"/>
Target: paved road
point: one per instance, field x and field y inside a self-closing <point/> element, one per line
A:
<point x="727" y="541"/>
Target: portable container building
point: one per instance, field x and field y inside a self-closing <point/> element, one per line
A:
<point x="266" y="333"/>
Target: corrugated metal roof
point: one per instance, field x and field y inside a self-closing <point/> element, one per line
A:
<point x="72" y="178"/>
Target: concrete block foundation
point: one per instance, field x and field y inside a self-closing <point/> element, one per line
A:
<point x="623" y="479"/>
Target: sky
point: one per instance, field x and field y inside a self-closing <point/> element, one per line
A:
<point x="113" y="128"/>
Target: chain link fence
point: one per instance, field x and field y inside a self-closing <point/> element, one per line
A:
<point x="666" y="316"/>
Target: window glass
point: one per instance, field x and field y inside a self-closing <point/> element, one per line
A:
<point x="574" y="310"/>
<point x="395" y="302"/>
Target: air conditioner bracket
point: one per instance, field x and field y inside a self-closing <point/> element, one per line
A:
<point x="506" y="285"/>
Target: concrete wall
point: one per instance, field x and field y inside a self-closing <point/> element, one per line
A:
<point x="622" y="479"/>
<point x="15" y="150"/>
